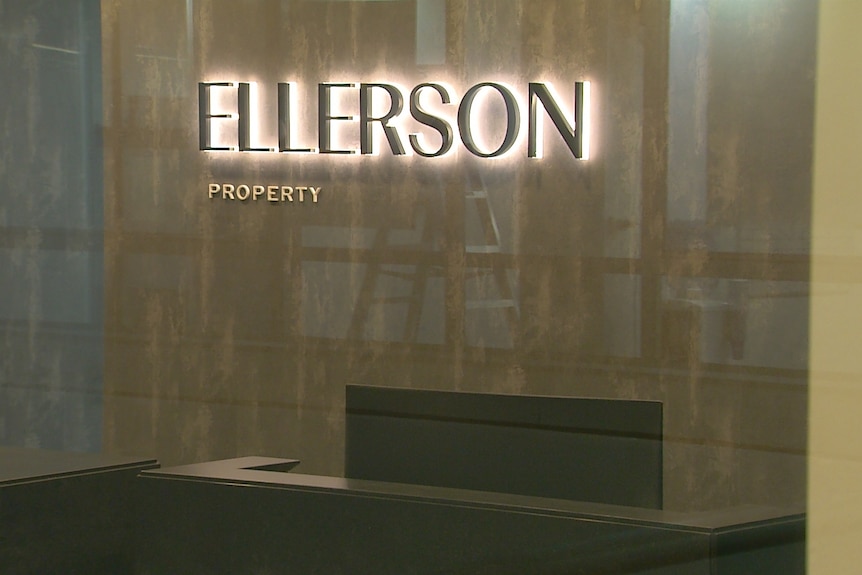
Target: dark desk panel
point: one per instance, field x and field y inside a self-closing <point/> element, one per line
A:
<point x="225" y="518"/>
<point x="69" y="513"/>
<point x="586" y="449"/>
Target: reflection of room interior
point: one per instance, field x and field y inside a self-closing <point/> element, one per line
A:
<point x="143" y="317"/>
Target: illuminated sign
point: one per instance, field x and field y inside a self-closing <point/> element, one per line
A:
<point x="574" y="130"/>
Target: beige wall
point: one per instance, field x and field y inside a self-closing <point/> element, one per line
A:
<point x="835" y="455"/>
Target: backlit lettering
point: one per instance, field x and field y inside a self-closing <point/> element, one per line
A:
<point x="573" y="130"/>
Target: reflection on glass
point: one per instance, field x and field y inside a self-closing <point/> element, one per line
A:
<point x="735" y="322"/>
<point x="672" y="265"/>
<point x="50" y="226"/>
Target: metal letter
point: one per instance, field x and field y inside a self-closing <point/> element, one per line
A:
<point x="285" y="124"/>
<point x="396" y="105"/>
<point x="513" y="120"/>
<point x="204" y="115"/>
<point x="324" y="118"/>
<point x="574" y="138"/>
<point x="423" y="117"/>
<point x="244" y="105"/>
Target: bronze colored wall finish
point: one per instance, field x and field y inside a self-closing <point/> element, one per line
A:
<point x="672" y="264"/>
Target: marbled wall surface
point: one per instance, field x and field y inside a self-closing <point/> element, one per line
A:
<point x="671" y="265"/>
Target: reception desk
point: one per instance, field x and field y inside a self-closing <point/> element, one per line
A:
<point x="67" y="513"/>
<point x="252" y="515"/>
<point x="465" y="501"/>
